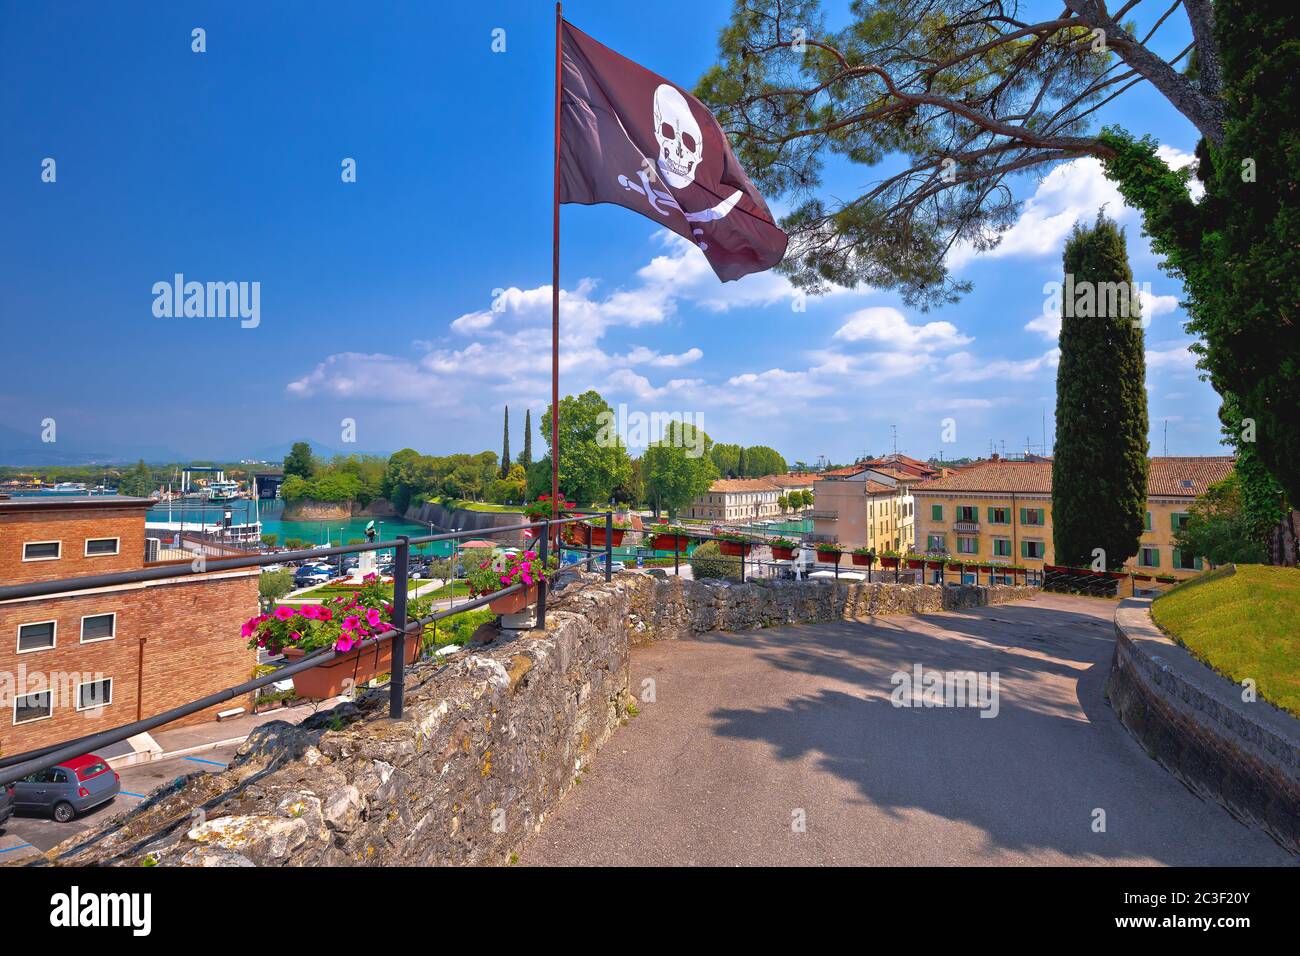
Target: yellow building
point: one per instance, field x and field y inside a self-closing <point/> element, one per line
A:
<point x="865" y="507"/>
<point x="1000" y="511"/>
<point x="748" y="499"/>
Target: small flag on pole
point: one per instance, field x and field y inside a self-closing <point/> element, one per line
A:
<point x="628" y="136"/>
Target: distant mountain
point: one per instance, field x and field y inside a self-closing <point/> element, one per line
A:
<point x="319" y="449"/>
<point x="23" y="449"/>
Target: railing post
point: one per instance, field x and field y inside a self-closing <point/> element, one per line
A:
<point x="609" y="545"/>
<point x="541" y="588"/>
<point x="397" y="676"/>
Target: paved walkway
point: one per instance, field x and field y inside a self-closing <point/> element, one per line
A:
<point x="751" y="730"/>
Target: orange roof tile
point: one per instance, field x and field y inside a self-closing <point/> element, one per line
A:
<point x="1186" y="477"/>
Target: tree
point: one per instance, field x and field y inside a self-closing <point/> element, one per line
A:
<point x="299" y="461"/>
<point x="971" y="95"/>
<point x="742" y="467"/>
<point x="1219" y="528"/>
<point x="593" y="457"/>
<point x="674" y="477"/>
<point x="727" y="459"/>
<point x="966" y="91"/>
<point x="783" y="502"/>
<point x="526" y="456"/>
<point x="505" y="446"/>
<point x="138" y="482"/>
<point x="1099" y="469"/>
<point x="1238" y="248"/>
<point x="760" y="460"/>
<point x="273" y="585"/>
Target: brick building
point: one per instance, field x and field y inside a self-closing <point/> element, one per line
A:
<point x="79" y="663"/>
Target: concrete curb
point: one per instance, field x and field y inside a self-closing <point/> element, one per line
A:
<point x="1244" y="756"/>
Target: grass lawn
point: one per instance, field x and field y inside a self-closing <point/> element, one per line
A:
<point x="467" y="505"/>
<point x="327" y="591"/>
<point x="1242" y="624"/>
<point x="459" y="589"/>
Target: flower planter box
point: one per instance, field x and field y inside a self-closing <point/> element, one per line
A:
<point x="986" y="568"/>
<point x="1115" y="575"/>
<point x="577" y="533"/>
<point x="671" y="542"/>
<point x="829" y="557"/>
<point x="957" y="566"/>
<point x="349" y="670"/>
<point x="936" y="565"/>
<point x="1163" y="579"/>
<point x="1142" y="577"/>
<point x="915" y="565"/>
<point x="889" y="562"/>
<point x="863" y="560"/>
<point x="596" y="536"/>
<point x="783" y="554"/>
<point x="735" y="549"/>
<point x="514" y="603"/>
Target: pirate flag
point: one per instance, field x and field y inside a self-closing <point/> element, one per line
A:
<point x="632" y="138"/>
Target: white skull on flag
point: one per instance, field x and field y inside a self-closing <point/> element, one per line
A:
<point x="681" y="147"/>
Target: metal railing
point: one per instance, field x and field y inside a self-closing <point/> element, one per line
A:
<point x="21" y="765"/>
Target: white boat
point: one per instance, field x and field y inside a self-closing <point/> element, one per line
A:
<point x="69" y="488"/>
<point x="222" y="491"/>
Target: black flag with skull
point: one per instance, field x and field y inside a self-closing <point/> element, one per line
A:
<point x="628" y="136"/>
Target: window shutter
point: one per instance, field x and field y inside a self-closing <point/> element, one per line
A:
<point x="936" y="512"/>
<point x="1178" y="559"/>
<point x="1024" y="516"/>
<point x="1024" y="549"/>
<point x="991" y="513"/>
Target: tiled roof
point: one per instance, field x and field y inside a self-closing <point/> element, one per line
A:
<point x="725" y="485"/>
<point x="1168" y="477"/>
<point x="1187" y="477"/>
<point x="793" y="480"/>
<point x="876" y="488"/>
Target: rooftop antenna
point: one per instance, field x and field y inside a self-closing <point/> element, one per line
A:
<point x="895" y="430"/>
<point x="1166" y="438"/>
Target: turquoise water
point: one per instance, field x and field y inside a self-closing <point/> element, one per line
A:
<point x="313" y="533"/>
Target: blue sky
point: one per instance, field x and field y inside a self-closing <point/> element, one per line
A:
<point x="377" y="296"/>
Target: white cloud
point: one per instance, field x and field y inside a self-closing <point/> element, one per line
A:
<point x="1176" y="357"/>
<point x="887" y="326"/>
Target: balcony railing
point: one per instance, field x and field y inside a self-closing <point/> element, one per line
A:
<point x="822" y="515"/>
<point x="966" y="527"/>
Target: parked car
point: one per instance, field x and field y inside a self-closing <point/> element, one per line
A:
<point x="73" y="787"/>
<point x="311" y="574"/>
<point x="6" y="804"/>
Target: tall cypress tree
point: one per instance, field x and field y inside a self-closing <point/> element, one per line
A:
<point x="526" y="456"/>
<point x="740" y="463"/>
<point x="505" y="445"/>
<point x="1099" y="468"/>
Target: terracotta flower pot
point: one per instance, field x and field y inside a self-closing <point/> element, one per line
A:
<point x="596" y="536"/>
<point x="735" y="549"/>
<point x="889" y="562"/>
<point x="829" y="557"/>
<point x="671" y="542"/>
<point x="956" y="566"/>
<point x="915" y="565"/>
<point x="986" y="568"/>
<point x="863" y="560"/>
<point x="514" y="603"/>
<point x="783" y="554"/>
<point x="348" y="670"/>
<point x="577" y="533"/>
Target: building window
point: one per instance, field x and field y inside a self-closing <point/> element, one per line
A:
<point x="1032" y="549"/>
<point x="999" y="516"/>
<point x="1002" y="547"/>
<point x="98" y="627"/>
<point x="42" y="550"/>
<point x="95" y="694"/>
<point x="97" y="547"/>
<point x="936" y="512"/>
<point x="968" y="545"/>
<point x="1178" y="520"/>
<point x="935" y="542"/>
<point x="37" y="636"/>
<point x="38" y="706"/>
<point x="967" y="513"/>
<point x="1186" y="562"/>
<point x="1032" y="516"/>
<point x="1149" y="557"/>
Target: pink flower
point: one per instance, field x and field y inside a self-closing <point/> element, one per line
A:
<point x="505" y="579"/>
<point x="351" y="622"/>
<point x="325" y="614"/>
<point x="283" y="613"/>
<point x="345" y="643"/>
<point x="249" y="627"/>
<point x="295" y="636"/>
<point x="373" y="617"/>
<point x="311" y="612"/>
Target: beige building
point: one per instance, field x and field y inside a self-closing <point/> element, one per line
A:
<point x="866" y="507"/>
<point x="1000" y="511"/>
<point x="741" y="500"/>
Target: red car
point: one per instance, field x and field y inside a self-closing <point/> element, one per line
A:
<point x="73" y="787"/>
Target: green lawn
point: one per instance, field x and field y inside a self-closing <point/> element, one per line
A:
<point x="458" y="589"/>
<point x="467" y="505"/>
<point x="326" y="591"/>
<point x="1242" y="624"/>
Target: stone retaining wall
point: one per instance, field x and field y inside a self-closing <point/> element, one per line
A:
<point x="1245" y="756"/>
<point x="491" y="738"/>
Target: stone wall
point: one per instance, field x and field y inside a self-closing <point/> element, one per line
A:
<point x="446" y="518"/>
<point x="491" y="739"/>
<point x="1245" y="756"/>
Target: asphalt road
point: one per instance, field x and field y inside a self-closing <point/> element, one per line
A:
<point x="751" y="735"/>
<point x="27" y="835"/>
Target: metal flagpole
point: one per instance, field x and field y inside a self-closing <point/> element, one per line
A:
<point x="555" y="284"/>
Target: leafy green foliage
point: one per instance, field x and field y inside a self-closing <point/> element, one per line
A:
<point x="707" y="561"/>
<point x="299" y="461"/>
<point x="674" y="474"/>
<point x="593" y="458"/>
<point x="1099" y="469"/>
<point x="1219" y="528"/>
